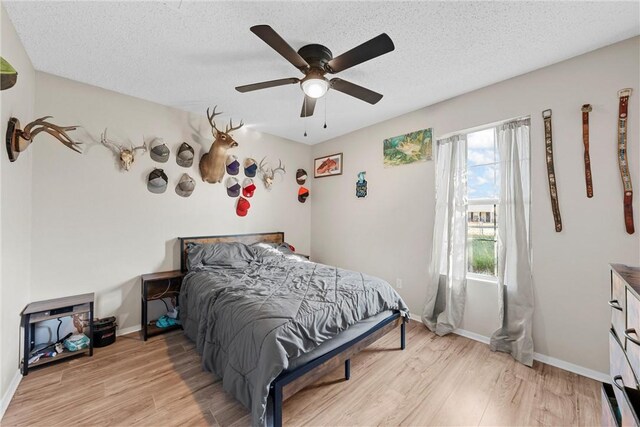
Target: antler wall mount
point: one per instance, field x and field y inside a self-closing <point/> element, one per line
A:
<point x="18" y="139"/>
<point x="126" y="155"/>
<point x="268" y="173"/>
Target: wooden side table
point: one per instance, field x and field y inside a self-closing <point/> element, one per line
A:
<point x="156" y="286"/>
<point x="52" y="309"/>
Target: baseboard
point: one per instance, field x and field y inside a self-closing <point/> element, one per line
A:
<point x="8" y="395"/>
<point x="125" y="331"/>
<point x="543" y="358"/>
<point x="472" y="335"/>
<point x="576" y="369"/>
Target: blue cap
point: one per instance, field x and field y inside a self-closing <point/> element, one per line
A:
<point x="233" y="165"/>
<point x="250" y="167"/>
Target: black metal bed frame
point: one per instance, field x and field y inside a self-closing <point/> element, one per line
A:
<point x="274" y="405"/>
<point x="275" y="400"/>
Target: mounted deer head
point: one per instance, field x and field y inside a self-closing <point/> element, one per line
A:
<point x="212" y="164"/>
<point x="268" y="173"/>
<point x="127" y="155"/>
<point x="19" y="139"/>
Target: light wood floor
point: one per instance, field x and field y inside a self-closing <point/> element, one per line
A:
<point x="436" y="381"/>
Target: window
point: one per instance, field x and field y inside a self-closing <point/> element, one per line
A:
<point x="483" y="192"/>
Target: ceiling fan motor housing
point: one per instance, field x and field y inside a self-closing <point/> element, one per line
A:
<point x="316" y="55"/>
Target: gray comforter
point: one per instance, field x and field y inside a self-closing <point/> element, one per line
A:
<point x="252" y="309"/>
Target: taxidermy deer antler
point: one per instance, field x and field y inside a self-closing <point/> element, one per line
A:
<point x="19" y="139"/>
<point x="127" y="155"/>
<point x="268" y="173"/>
<point x="212" y="164"/>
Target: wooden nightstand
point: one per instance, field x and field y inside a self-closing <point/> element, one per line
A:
<point x="155" y="286"/>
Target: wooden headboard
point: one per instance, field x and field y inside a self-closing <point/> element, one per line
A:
<point x="247" y="239"/>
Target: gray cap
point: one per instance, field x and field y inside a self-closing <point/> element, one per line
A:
<point x="185" y="186"/>
<point x="157" y="181"/>
<point x="185" y="155"/>
<point x="159" y="150"/>
<point x="233" y="187"/>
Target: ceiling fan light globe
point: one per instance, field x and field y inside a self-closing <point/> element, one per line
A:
<point x="315" y="88"/>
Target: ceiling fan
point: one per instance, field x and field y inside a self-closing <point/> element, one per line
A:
<point x="314" y="61"/>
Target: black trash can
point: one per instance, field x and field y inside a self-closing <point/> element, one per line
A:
<point x="104" y="331"/>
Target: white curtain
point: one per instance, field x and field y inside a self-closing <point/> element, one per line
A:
<point x="515" y="289"/>
<point x="447" y="279"/>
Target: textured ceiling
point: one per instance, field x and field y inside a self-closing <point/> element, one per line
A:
<point x="191" y="55"/>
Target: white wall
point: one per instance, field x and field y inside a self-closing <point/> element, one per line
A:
<point x="96" y="228"/>
<point x="15" y="210"/>
<point x="389" y="233"/>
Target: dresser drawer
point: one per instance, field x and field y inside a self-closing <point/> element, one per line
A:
<point x="618" y="304"/>
<point x="632" y="333"/>
<point x="628" y="400"/>
<point x="618" y="362"/>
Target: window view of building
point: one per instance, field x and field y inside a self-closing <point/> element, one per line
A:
<point x="483" y="190"/>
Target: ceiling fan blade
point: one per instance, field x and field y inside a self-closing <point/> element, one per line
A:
<point x="270" y="37"/>
<point x="368" y="50"/>
<point x="308" y="105"/>
<point x="356" y="91"/>
<point x="265" y="85"/>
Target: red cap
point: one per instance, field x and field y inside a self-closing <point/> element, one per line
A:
<point x="248" y="187"/>
<point x="242" y="207"/>
<point x="303" y="193"/>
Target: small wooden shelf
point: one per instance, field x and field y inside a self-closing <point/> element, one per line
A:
<point x="41" y="311"/>
<point x="155" y="286"/>
<point x="64" y="355"/>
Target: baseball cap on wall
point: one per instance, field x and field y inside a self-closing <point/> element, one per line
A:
<point x="250" y="167"/>
<point x="159" y="150"/>
<point x="242" y="206"/>
<point x="303" y="193"/>
<point x="157" y="181"/>
<point x="185" y="155"/>
<point x="233" y="165"/>
<point x="233" y="187"/>
<point x="248" y="187"/>
<point x="185" y="186"/>
<point x="301" y="176"/>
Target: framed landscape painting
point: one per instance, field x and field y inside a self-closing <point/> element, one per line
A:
<point x="327" y="166"/>
<point x="409" y="148"/>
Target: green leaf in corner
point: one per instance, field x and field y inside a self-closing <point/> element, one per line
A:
<point x="8" y="74"/>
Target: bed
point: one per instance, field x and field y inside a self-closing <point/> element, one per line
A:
<point x="270" y="322"/>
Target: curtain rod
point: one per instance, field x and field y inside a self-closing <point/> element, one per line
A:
<point x="481" y="127"/>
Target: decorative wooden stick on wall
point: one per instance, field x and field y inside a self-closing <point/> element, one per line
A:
<point x="551" y="174"/>
<point x="19" y="139"/>
<point x="586" y="108"/>
<point x="623" y="162"/>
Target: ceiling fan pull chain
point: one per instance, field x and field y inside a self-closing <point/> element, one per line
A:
<point x="325" y="112"/>
<point x="305" y="114"/>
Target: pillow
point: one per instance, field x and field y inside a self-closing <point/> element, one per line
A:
<point x="265" y="250"/>
<point x="234" y="255"/>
